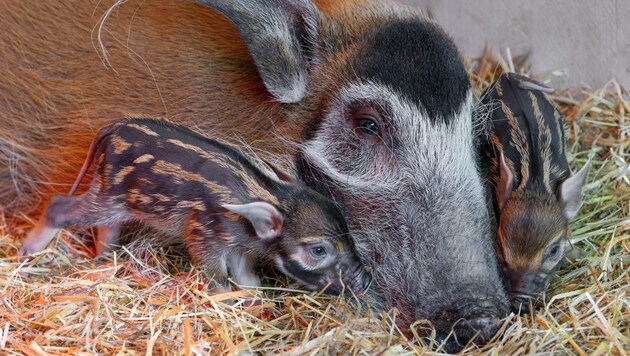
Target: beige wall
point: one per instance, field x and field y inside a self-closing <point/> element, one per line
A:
<point x="590" y="39"/>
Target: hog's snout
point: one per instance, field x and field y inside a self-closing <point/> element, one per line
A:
<point x="355" y="278"/>
<point x="468" y="327"/>
<point x="478" y="330"/>
<point x="523" y="304"/>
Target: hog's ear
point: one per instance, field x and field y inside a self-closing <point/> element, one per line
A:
<point x="281" y="37"/>
<point x="506" y="183"/>
<point x="571" y="192"/>
<point x="264" y="217"/>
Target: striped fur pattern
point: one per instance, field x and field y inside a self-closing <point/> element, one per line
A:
<point x="529" y="176"/>
<point x="228" y="211"/>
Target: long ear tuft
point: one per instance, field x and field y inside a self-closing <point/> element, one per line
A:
<point x="264" y="217"/>
<point x="506" y="183"/>
<point x="571" y="191"/>
<point x="281" y="37"/>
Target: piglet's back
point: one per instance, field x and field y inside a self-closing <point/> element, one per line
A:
<point x="159" y="159"/>
<point x="530" y="131"/>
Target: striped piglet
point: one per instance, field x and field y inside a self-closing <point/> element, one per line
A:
<point x="228" y="212"/>
<point x="533" y="191"/>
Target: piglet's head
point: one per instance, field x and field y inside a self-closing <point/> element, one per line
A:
<point x="533" y="233"/>
<point x="309" y="242"/>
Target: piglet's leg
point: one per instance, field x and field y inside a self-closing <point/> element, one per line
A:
<point x="217" y="269"/>
<point x="207" y="252"/>
<point x="107" y="236"/>
<point x="242" y="270"/>
<point x="85" y="210"/>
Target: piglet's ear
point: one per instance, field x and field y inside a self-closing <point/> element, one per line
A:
<point x="571" y="192"/>
<point x="506" y="183"/>
<point x="264" y="217"/>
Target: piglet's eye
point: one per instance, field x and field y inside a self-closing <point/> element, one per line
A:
<point x="554" y="251"/>
<point x="318" y="251"/>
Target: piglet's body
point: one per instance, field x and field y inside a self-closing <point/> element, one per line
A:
<point x="228" y="212"/>
<point x="534" y="193"/>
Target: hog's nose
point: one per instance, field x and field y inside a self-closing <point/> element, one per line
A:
<point x="486" y="327"/>
<point x="474" y="322"/>
<point x="362" y="282"/>
<point x="479" y="331"/>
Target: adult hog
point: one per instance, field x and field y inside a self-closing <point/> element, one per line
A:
<point x="366" y="101"/>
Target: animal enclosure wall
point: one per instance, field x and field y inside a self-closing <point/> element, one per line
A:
<point x="589" y="41"/>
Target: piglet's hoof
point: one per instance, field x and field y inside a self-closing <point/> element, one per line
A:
<point x="23" y="252"/>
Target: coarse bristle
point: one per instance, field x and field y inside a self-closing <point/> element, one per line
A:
<point x="147" y="298"/>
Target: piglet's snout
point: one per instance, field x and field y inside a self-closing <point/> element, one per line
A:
<point x="526" y="289"/>
<point x="362" y="281"/>
<point x="357" y="280"/>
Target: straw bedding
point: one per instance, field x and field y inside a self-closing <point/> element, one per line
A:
<point x="147" y="300"/>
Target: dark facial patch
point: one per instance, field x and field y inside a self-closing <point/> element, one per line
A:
<point x="296" y="271"/>
<point x="420" y="62"/>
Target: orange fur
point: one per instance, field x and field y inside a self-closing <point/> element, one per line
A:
<point x="177" y="60"/>
<point x="189" y="66"/>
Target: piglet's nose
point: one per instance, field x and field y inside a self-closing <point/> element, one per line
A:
<point x="520" y="306"/>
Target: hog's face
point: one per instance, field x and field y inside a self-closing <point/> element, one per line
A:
<point x="395" y="149"/>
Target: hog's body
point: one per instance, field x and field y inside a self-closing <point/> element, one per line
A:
<point x="366" y="101"/>
<point x="533" y="192"/>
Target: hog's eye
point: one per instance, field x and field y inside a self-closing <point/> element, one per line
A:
<point x="367" y="126"/>
<point x="365" y="121"/>
<point x="318" y="251"/>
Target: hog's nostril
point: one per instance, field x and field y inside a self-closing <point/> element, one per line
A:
<point x="486" y="327"/>
<point x="358" y="279"/>
<point x="478" y="330"/>
<point x="364" y="281"/>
